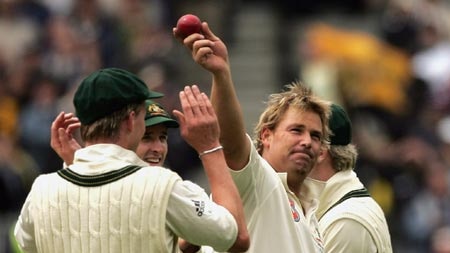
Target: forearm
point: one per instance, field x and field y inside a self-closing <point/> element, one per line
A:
<point x="222" y="187"/>
<point x="225" y="193"/>
<point x="231" y="120"/>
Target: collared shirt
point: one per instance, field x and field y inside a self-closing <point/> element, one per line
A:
<point x="356" y="224"/>
<point x="97" y="219"/>
<point x="274" y="215"/>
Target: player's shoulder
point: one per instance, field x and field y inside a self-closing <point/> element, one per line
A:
<point x="362" y="210"/>
<point x="158" y="170"/>
<point x="46" y="178"/>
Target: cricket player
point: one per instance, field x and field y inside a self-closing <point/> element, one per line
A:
<point x="289" y="138"/>
<point x="350" y="220"/>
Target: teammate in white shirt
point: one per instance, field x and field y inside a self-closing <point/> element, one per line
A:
<point x="350" y="220"/>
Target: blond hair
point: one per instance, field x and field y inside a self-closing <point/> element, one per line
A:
<point x="343" y="157"/>
<point x="296" y="95"/>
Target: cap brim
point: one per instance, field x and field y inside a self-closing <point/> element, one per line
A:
<point x="154" y="94"/>
<point x="161" y="120"/>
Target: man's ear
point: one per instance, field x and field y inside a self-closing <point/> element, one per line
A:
<point x="322" y="153"/>
<point x="266" y="137"/>
<point x="130" y="121"/>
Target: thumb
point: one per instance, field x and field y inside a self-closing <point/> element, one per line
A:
<point x="208" y="33"/>
<point x="179" y="115"/>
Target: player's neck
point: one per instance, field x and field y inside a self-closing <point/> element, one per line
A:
<point x="323" y="170"/>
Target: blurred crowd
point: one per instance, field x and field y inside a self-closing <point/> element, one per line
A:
<point x="395" y="84"/>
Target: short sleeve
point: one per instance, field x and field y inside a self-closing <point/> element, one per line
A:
<point x="193" y="216"/>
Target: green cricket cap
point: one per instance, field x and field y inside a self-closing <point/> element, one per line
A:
<point x="340" y="126"/>
<point x="155" y="114"/>
<point x="108" y="90"/>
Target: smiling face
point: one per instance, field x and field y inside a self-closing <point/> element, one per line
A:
<point x="153" y="146"/>
<point x="294" y="145"/>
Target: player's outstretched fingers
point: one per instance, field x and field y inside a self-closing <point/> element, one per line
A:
<point x="199" y="98"/>
<point x="186" y="115"/>
<point x="208" y="105"/>
<point x="191" y="97"/>
<point x="185" y="107"/>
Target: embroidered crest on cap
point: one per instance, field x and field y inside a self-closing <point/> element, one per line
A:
<point x="156" y="110"/>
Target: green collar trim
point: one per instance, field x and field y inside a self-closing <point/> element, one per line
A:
<point x="97" y="180"/>
<point x="351" y="194"/>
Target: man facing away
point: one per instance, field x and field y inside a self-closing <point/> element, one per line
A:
<point x="109" y="200"/>
<point x="349" y="218"/>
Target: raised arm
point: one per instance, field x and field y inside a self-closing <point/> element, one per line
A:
<point x="211" y="53"/>
<point x="200" y="128"/>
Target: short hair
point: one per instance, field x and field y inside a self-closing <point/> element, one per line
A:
<point x="297" y="95"/>
<point x="108" y="127"/>
<point x="343" y="157"/>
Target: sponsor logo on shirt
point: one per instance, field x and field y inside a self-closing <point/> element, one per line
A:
<point x="199" y="207"/>
<point x="295" y="213"/>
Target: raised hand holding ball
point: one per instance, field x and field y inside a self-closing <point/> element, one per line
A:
<point x="188" y="24"/>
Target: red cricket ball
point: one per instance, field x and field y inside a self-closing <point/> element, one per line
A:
<point x="189" y="24"/>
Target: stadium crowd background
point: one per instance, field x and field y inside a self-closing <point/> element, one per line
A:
<point x="393" y="79"/>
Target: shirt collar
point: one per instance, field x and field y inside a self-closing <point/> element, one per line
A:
<point x="308" y="193"/>
<point x="102" y="158"/>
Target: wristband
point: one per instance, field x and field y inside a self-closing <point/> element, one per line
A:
<point x="209" y="151"/>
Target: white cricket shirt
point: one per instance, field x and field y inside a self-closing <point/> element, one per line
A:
<point x="274" y="215"/>
<point x="144" y="211"/>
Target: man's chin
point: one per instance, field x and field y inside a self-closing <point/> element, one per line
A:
<point x="303" y="167"/>
<point x="302" y="163"/>
<point x="154" y="163"/>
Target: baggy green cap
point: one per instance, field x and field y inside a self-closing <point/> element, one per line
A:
<point x="340" y="125"/>
<point x="155" y="114"/>
<point x="108" y="90"/>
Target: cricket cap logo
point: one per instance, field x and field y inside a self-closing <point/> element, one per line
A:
<point x="156" y="110"/>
